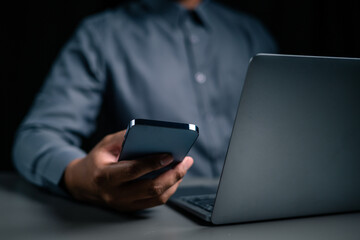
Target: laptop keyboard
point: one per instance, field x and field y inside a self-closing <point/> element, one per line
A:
<point x="205" y="202"/>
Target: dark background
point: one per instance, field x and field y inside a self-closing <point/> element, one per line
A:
<point x="33" y="32"/>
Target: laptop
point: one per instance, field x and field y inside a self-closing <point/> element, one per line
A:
<point x="295" y="144"/>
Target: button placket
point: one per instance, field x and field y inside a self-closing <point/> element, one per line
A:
<point x="200" y="77"/>
<point x="194" y="38"/>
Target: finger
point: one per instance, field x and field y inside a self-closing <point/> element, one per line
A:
<point x="155" y="187"/>
<point x="113" y="142"/>
<point x="154" y="201"/>
<point x="125" y="171"/>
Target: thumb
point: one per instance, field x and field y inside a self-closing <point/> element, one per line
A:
<point x="112" y="143"/>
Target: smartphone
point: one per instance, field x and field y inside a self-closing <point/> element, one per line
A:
<point x="146" y="137"/>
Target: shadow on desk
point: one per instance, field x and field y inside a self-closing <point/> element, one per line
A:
<point x="66" y="210"/>
<point x="28" y="212"/>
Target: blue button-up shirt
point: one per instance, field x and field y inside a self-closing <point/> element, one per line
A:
<point x="149" y="59"/>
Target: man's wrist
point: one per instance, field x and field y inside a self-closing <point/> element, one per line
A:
<point x="66" y="178"/>
<point x="63" y="186"/>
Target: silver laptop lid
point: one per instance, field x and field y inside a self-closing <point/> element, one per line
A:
<point x="295" y="146"/>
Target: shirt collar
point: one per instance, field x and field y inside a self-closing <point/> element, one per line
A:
<point x="174" y="13"/>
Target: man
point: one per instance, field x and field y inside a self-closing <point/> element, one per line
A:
<point x="181" y="61"/>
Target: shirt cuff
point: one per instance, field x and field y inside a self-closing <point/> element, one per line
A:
<point x="55" y="169"/>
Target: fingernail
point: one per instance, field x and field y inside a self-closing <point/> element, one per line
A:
<point x="187" y="163"/>
<point x="166" y="160"/>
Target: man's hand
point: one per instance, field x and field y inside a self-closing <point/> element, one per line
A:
<point x="100" y="178"/>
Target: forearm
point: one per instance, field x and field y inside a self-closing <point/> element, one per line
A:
<point x="63" y="113"/>
<point x="41" y="156"/>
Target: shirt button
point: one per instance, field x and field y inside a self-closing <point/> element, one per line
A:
<point x="200" y="77"/>
<point x="194" y="39"/>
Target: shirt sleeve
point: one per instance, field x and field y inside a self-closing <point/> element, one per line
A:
<point x="63" y="113"/>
